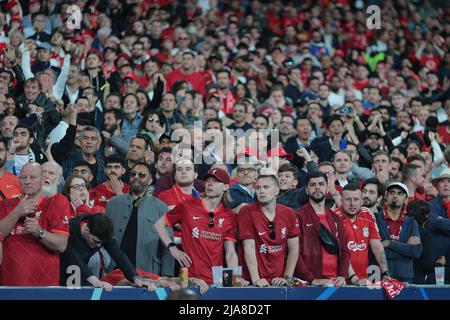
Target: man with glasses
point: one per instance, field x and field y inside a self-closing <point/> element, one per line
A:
<point x="208" y="229"/>
<point x="35" y="231"/>
<point x="269" y="235"/>
<point x="324" y="257"/>
<point x="134" y="216"/>
<point x="243" y="192"/>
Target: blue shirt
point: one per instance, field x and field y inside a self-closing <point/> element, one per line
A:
<point x="131" y="128"/>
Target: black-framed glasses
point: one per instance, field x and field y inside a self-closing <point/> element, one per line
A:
<point x="272" y="230"/>
<point x="211" y="219"/>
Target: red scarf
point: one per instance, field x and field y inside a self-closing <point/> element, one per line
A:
<point x="447" y="206"/>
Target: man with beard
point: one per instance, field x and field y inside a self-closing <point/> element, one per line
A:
<point x="9" y="185"/>
<point x="286" y="128"/>
<point x="52" y="178"/>
<point x="395" y="169"/>
<point x="140" y="150"/>
<point x="113" y="186"/>
<point x="134" y="216"/>
<point x="269" y="233"/>
<point x="8" y="125"/>
<point x="399" y="233"/>
<point x="318" y="263"/>
<point x="362" y="233"/>
<point x="35" y="229"/>
<point x="114" y="136"/>
<point x="208" y="229"/>
<point x="372" y="193"/>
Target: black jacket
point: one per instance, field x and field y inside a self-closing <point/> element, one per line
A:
<point x="78" y="253"/>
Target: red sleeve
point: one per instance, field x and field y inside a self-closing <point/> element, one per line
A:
<point x="245" y="224"/>
<point x="373" y="230"/>
<point x="231" y="233"/>
<point x="175" y="215"/>
<point x="58" y="215"/>
<point x="294" y="230"/>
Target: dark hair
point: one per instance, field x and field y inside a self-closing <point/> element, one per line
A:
<point x="399" y="161"/>
<point x="148" y="142"/>
<point x="419" y="210"/>
<point x="147" y="115"/>
<point x="375" y="181"/>
<point x="101" y="226"/>
<point x="301" y="117"/>
<point x="82" y="163"/>
<point x="118" y="114"/>
<point x="142" y="163"/>
<point x="68" y="182"/>
<point x="114" y="158"/>
<point x="351" y="187"/>
<point x="410" y="171"/>
<point x="416" y="157"/>
<point x="335" y="118"/>
<point x="219" y="121"/>
<point x="21" y="125"/>
<point x="163" y="150"/>
<point x="317" y="174"/>
<point x="289" y="167"/>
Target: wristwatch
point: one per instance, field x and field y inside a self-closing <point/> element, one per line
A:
<point x="41" y="234"/>
<point x="170" y="245"/>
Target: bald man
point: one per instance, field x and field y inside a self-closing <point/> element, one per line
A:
<point x="35" y="230"/>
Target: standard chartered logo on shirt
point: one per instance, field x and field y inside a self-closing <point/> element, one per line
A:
<point x="195" y="233"/>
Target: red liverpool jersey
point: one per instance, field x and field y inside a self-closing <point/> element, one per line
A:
<point x="26" y="262"/>
<point x="202" y="243"/>
<point x="270" y="253"/>
<point x="359" y="233"/>
<point x="102" y="193"/>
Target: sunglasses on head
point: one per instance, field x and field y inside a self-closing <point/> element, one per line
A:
<point x="272" y="230"/>
<point x="139" y="174"/>
<point x="211" y="220"/>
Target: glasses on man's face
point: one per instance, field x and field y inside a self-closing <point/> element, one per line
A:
<point x="248" y="170"/>
<point x="140" y="175"/>
<point x="211" y="220"/>
<point x="272" y="230"/>
<point x="78" y="187"/>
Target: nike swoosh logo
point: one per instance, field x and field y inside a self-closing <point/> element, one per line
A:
<point x="9" y="186"/>
<point x="261" y="233"/>
<point x="309" y="225"/>
<point x="196" y="218"/>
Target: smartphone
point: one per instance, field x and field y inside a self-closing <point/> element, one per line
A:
<point x="343" y="144"/>
<point x="346" y="110"/>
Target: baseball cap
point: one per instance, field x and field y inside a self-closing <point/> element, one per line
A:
<point x="132" y="76"/>
<point x="280" y="152"/>
<point x="218" y="174"/>
<point x="45" y="45"/>
<point x="399" y="185"/>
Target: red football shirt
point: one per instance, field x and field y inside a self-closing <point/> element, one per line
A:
<point x="270" y="253"/>
<point x="195" y="80"/>
<point x="102" y="193"/>
<point x="26" y="262"/>
<point x="395" y="227"/>
<point x="329" y="261"/>
<point x="359" y="233"/>
<point x="203" y="244"/>
<point x="9" y="186"/>
<point x="172" y="197"/>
